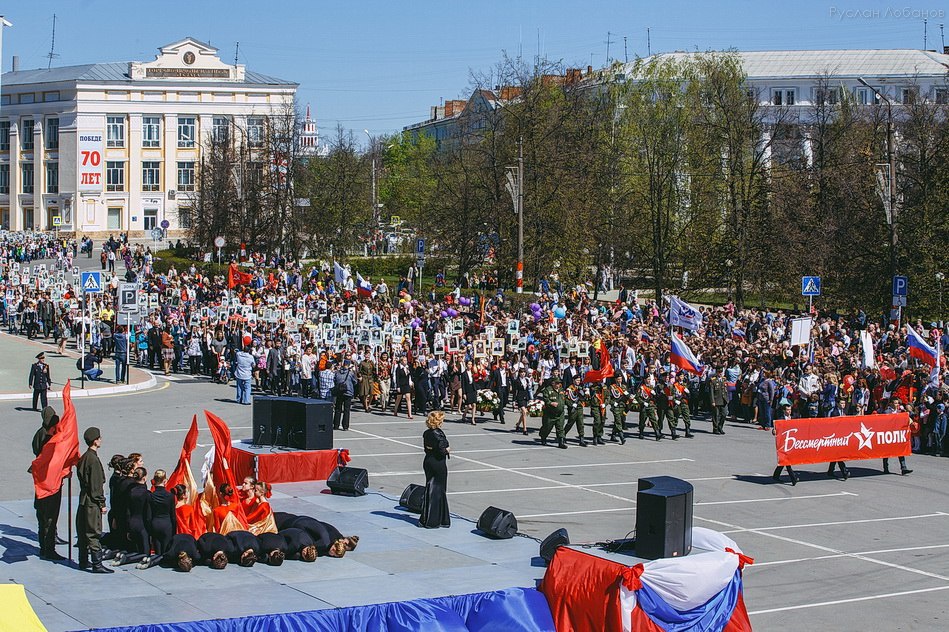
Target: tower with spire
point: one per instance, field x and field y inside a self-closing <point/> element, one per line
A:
<point x="310" y="137"/>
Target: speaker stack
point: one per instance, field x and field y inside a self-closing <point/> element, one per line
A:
<point x="497" y="524"/>
<point x="663" y="517"/>
<point x="553" y="542"/>
<point x="293" y="422"/>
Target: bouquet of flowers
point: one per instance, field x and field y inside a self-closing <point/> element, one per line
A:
<point x="488" y="400"/>
<point x="535" y="408"/>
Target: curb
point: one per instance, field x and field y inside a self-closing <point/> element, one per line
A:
<point x="151" y="382"/>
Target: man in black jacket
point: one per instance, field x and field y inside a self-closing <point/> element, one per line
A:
<point x="47" y="509"/>
<point x="40" y="380"/>
<point x="501" y="384"/>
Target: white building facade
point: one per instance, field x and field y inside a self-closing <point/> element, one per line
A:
<point x="106" y="148"/>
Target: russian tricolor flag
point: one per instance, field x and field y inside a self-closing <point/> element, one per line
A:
<point x="363" y="287"/>
<point x="920" y="349"/>
<point x="681" y="356"/>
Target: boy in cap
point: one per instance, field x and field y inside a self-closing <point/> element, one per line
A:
<point x="91" y="503"/>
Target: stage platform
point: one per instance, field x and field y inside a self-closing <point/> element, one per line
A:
<point x="396" y="560"/>
<point x="282" y="465"/>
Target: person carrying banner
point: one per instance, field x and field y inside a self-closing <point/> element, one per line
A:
<point x="896" y="406"/>
<point x="839" y="410"/>
<point x="47" y="508"/>
<point x="598" y="411"/>
<point x="785" y="407"/>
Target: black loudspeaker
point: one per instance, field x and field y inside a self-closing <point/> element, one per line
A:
<point x="663" y="517"/>
<point x="412" y="498"/>
<point x="294" y="422"/>
<point x="553" y="542"/>
<point x="351" y="481"/>
<point x="497" y="523"/>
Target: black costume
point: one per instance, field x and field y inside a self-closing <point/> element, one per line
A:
<point x="181" y="543"/>
<point x="161" y="527"/>
<point x="119" y="500"/>
<point x="323" y="533"/>
<point x="435" y="504"/>
<point x="295" y="540"/>
<point x="47" y="509"/>
<point x="139" y="515"/>
<point x="243" y="541"/>
<point x="283" y="519"/>
<point x="210" y="543"/>
<point x="270" y="543"/>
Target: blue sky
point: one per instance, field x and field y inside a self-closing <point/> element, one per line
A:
<point x="380" y="64"/>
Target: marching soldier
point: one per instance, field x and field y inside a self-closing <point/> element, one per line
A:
<point x="554" y="405"/>
<point x="677" y="397"/>
<point x="574" y="399"/>
<point x="719" y="396"/>
<point x="618" y="401"/>
<point x="661" y="400"/>
<point x="647" y="410"/>
<point x="598" y="411"/>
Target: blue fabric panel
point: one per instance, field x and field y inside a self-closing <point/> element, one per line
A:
<point x="711" y="616"/>
<point x="509" y="610"/>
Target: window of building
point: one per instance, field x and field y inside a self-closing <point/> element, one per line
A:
<point x="221" y="129"/>
<point x="52" y="177"/>
<point x="115" y="131"/>
<point x="151" y="176"/>
<point x="940" y="96"/>
<point x="783" y="96"/>
<point x="5" y="99"/>
<point x="827" y="95"/>
<point x="908" y="95"/>
<point x="26" y="177"/>
<point x="184" y="217"/>
<point x="5" y="178"/>
<point x="26" y="136"/>
<point x="255" y="131"/>
<point x="150" y="218"/>
<point x="4" y="135"/>
<point x="114" y="218"/>
<point x="151" y="131"/>
<point x="49" y="97"/>
<point x="186" y="176"/>
<point x="186" y="131"/>
<point x="115" y="175"/>
<point x="52" y="133"/>
<point x="28" y="97"/>
<point x="255" y="173"/>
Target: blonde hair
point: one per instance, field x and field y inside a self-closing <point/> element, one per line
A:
<point x="435" y="419"/>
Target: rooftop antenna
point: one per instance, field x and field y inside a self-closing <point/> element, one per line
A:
<point x="237" y="50"/>
<point x="608" y="42"/>
<point x="942" y="36"/>
<point x="625" y="51"/>
<point x="925" y="34"/>
<point x="648" y="42"/>
<point x="52" y="47"/>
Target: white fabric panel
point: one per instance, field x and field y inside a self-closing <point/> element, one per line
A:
<point x="687" y="582"/>
<point x="709" y="540"/>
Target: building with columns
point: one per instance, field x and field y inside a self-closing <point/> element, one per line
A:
<point x="114" y="147"/>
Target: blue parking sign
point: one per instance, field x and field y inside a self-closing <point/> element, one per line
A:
<point x="810" y="286"/>
<point x="420" y="247"/>
<point x="900" y="285"/>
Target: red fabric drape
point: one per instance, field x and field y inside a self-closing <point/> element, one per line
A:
<point x="60" y="453"/>
<point x="221" y="470"/>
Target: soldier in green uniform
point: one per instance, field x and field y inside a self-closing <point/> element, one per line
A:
<point x="574" y="399"/>
<point x="91" y="503"/>
<point x="618" y="397"/>
<point x="554" y="405"/>
<point x="598" y="411"/>
<point x="647" y="410"/>
<point x="679" y="404"/>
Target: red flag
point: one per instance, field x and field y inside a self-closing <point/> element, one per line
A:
<point x="183" y="471"/>
<point x="60" y="453"/>
<point x="189" y="516"/>
<point x="235" y="277"/>
<point x="605" y="368"/>
<point x="221" y="470"/>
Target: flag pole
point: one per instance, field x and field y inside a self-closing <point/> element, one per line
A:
<point x="69" y="511"/>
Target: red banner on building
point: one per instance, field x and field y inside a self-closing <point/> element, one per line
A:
<point x="825" y="439"/>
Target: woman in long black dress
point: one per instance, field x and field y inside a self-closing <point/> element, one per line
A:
<point x="435" y="505"/>
<point x="139" y="515"/>
<point x="161" y="526"/>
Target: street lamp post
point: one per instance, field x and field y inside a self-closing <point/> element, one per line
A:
<point x="515" y="187"/>
<point x="375" y="205"/>
<point x="889" y="193"/>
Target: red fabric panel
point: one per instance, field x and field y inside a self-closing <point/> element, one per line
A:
<point x="583" y="592"/>
<point x="60" y="453"/>
<point x="825" y="439"/>
<point x="286" y="467"/>
<point x="739" y="621"/>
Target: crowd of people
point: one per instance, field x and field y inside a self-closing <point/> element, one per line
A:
<point x="321" y="330"/>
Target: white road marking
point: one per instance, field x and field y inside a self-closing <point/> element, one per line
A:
<point x="531" y="489"/>
<point x="839" y="555"/>
<point x="188" y="428"/>
<point x="473" y="434"/>
<point x="768" y="500"/>
<point x="839" y="522"/>
<point x="573" y="513"/>
<point x="853" y="600"/>
<point x="828" y="549"/>
<point x="454" y="454"/>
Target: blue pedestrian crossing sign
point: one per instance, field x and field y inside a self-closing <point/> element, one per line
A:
<point x="91" y="282"/>
<point x="810" y="286"/>
<point x="900" y="285"/>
